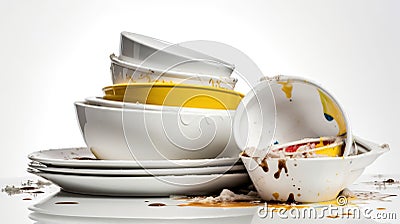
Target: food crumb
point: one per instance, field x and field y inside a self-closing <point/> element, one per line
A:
<point x="390" y="180"/>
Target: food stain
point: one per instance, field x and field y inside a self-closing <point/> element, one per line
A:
<point x="333" y="216"/>
<point x="27" y="188"/>
<point x="66" y="203"/>
<point x="275" y="195"/>
<point x="157" y="204"/>
<point x="244" y="154"/>
<point x="84" y="158"/>
<point x="264" y="165"/>
<point x="389" y="181"/>
<point x="287" y="88"/>
<point x="27" y="199"/>
<point x="290" y="199"/>
<point x="281" y="165"/>
<point x="332" y="112"/>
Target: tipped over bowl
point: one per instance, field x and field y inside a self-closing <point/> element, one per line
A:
<point x="309" y="179"/>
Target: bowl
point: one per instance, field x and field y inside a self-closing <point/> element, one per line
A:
<point x="130" y="72"/>
<point x="178" y="95"/>
<point x="310" y="179"/>
<point x="160" y="54"/>
<point x="284" y="109"/>
<point x="140" y="134"/>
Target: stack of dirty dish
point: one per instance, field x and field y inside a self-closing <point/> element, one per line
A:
<point x="172" y="123"/>
<point x="164" y="127"/>
<point x="167" y="102"/>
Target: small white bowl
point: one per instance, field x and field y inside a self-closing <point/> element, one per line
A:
<point x="155" y="53"/>
<point x="130" y="72"/>
<point x="310" y="179"/>
<point x="140" y="134"/>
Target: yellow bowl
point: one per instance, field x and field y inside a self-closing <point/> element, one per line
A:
<point x="171" y="94"/>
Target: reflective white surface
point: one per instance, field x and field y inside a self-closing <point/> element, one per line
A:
<point x="46" y="207"/>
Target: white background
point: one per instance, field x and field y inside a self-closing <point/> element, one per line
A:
<point x="53" y="53"/>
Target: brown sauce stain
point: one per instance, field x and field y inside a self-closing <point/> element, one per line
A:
<point x="157" y="204"/>
<point x="380" y="209"/>
<point x="236" y="204"/>
<point x="280" y="205"/>
<point x="244" y="154"/>
<point x="290" y="199"/>
<point x="264" y="165"/>
<point x="389" y="181"/>
<point x="27" y="188"/>
<point x="281" y="165"/>
<point x="298" y="195"/>
<point x="333" y="216"/>
<point x="66" y="203"/>
<point x="275" y="195"/>
<point x="84" y="158"/>
<point x="27" y="199"/>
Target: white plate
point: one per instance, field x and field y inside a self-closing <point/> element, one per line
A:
<point x="139" y="172"/>
<point x="145" y="186"/>
<point x="132" y="208"/>
<point x="66" y="158"/>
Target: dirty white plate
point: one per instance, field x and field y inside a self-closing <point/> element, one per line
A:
<point x="145" y="186"/>
<point x="138" y="172"/>
<point x="82" y="157"/>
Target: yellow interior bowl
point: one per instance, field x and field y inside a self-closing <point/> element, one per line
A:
<point x="171" y="94"/>
<point x="332" y="150"/>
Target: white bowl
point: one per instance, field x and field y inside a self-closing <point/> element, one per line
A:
<point x="128" y="72"/>
<point x="310" y="179"/>
<point x="284" y="109"/>
<point x="139" y="134"/>
<point x="160" y="54"/>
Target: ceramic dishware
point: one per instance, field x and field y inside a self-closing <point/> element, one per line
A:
<point x="178" y="95"/>
<point x="134" y="134"/>
<point x="136" y="48"/>
<point x="130" y="72"/>
<point x="309" y="179"/>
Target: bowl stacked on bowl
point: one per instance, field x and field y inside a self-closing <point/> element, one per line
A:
<point x="167" y="102"/>
<point x="164" y="127"/>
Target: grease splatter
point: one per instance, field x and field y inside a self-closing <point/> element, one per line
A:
<point x="281" y="165"/>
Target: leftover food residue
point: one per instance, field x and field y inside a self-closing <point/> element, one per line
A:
<point x="29" y="187"/>
<point x="305" y="148"/>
